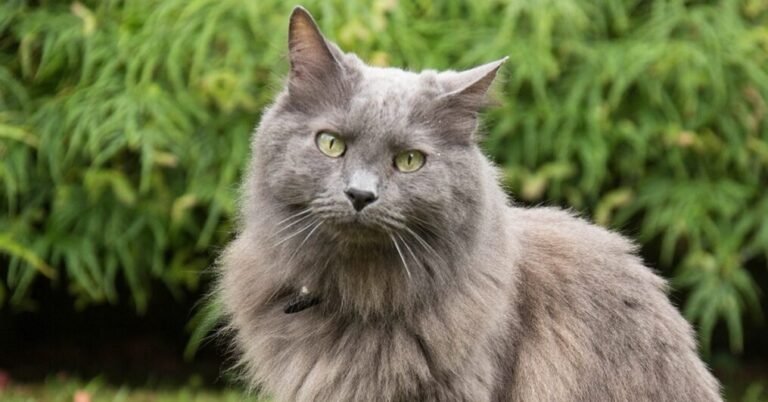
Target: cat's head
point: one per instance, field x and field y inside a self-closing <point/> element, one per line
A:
<point x="370" y="154"/>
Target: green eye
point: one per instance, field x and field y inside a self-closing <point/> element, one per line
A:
<point x="409" y="161"/>
<point x="330" y="144"/>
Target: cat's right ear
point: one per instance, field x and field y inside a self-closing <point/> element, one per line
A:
<point x="315" y="63"/>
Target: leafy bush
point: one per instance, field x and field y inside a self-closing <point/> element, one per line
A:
<point x="124" y="126"/>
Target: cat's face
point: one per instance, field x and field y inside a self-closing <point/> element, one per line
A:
<point x="370" y="154"/>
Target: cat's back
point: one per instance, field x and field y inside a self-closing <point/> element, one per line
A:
<point x="596" y="320"/>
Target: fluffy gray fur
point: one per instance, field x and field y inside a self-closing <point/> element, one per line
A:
<point x="440" y="290"/>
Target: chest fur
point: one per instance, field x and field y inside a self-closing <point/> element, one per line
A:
<point x="307" y="356"/>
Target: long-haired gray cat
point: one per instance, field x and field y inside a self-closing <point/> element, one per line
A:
<point x="378" y="259"/>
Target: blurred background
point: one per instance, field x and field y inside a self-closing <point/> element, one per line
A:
<point x="124" y="129"/>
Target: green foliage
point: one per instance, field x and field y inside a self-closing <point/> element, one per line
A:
<point x="124" y="126"/>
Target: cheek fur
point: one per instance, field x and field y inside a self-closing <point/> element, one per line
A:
<point x="301" y="172"/>
<point x="445" y="191"/>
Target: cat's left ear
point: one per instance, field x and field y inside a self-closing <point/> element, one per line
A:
<point x="470" y="87"/>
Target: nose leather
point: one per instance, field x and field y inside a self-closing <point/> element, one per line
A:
<point x="360" y="198"/>
<point x="362" y="189"/>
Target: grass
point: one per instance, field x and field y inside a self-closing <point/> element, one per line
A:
<point x="97" y="390"/>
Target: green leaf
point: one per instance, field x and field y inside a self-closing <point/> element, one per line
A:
<point x="13" y="248"/>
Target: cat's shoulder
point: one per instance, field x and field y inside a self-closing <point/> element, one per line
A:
<point x="565" y="230"/>
<point x="557" y="243"/>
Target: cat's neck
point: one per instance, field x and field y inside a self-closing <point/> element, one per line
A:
<point x="398" y="278"/>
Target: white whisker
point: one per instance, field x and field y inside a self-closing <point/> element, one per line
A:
<point x="286" y="227"/>
<point x="298" y="248"/>
<point x="305" y="211"/>
<point x="427" y="226"/>
<point x="410" y="251"/>
<point x="295" y="233"/>
<point x="427" y="247"/>
<point x="400" y="253"/>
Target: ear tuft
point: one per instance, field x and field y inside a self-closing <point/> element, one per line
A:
<point x="471" y="86"/>
<point x="464" y="93"/>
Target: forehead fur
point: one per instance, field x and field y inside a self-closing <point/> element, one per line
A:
<point x="391" y="98"/>
<point x="394" y="81"/>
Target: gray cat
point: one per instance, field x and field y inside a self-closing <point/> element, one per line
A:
<point x="378" y="258"/>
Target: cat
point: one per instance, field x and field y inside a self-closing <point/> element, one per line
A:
<point x="379" y="259"/>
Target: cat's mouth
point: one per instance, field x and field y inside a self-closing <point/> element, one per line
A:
<point x="358" y="227"/>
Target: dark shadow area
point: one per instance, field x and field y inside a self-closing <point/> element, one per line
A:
<point x="108" y="341"/>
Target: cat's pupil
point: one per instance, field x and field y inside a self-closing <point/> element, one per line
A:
<point x="330" y="145"/>
<point x="410" y="157"/>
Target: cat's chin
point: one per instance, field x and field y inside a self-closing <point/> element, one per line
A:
<point x="357" y="232"/>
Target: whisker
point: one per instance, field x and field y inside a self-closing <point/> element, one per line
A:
<point x="427" y="247"/>
<point x="295" y="233"/>
<point x="298" y="248"/>
<point x="327" y="208"/>
<point x="427" y="226"/>
<point x="389" y="223"/>
<point x="305" y="211"/>
<point x="283" y="273"/>
<point x="400" y="253"/>
<point x="286" y="227"/>
<point x="410" y="251"/>
<point x="431" y="251"/>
